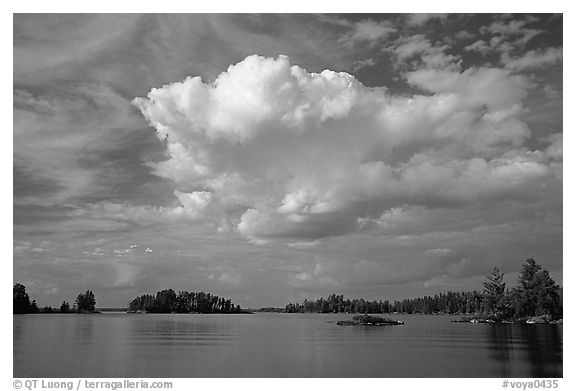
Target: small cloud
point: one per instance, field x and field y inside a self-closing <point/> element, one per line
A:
<point x="464" y="35"/>
<point x="419" y="52"/>
<point x="551" y="91"/>
<point x="368" y="31"/>
<point x="361" y="64"/>
<point x="439" y="252"/>
<point x="506" y="36"/>
<point x="533" y="59"/>
<point x="21" y="246"/>
<point x="421" y="19"/>
<point x="479" y="46"/>
<point x="305" y="245"/>
<point x="229" y="278"/>
<point x="121" y="252"/>
<point x="52" y="290"/>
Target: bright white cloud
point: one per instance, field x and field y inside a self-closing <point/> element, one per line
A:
<point x="278" y="152"/>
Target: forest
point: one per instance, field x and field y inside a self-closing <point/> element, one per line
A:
<point x="536" y="294"/>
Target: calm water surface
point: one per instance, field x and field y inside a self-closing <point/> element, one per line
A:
<point x="278" y="345"/>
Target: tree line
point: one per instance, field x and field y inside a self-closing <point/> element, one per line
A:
<point x="85" y="303"/>
<point x="536" y="294"/>
<point x="167" y="301"/>
<point x="449" y="302"/>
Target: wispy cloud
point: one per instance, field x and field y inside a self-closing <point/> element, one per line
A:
<point x="533" y="59"/>
<point x="421" y="19"/>
<point x="368" y="31"/>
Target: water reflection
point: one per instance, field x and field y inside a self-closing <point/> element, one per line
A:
<point x="500" y="337"/>
<point x="18" y="326"/>
<point x="84" y="329"/>
<point x="539" y="345"/>
<point x="174" y="330"/>
<point x="278" y="345"/>
<point x="544" y="346"/>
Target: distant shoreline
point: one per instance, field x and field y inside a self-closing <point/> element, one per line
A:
<point x="125" y="311"/>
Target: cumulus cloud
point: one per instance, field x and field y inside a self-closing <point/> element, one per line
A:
<point x="281" y="153"/>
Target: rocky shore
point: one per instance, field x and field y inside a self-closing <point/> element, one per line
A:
<point x="541" y="319"/>
<point x="368" y="320"/>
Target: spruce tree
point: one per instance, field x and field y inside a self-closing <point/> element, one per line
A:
<point x="495" y="302"/>
<point x="537" y="293"/>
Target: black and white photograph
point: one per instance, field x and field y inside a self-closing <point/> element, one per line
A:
<point x="287" y="195"/>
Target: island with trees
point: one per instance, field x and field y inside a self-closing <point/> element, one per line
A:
<point x="167" y="301"/>
<point x="369" y="320"/>
<point x="85" y="303"/>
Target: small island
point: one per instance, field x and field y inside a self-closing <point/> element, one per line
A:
<point x="167" y="301"/>
<point x="369" y="320"/>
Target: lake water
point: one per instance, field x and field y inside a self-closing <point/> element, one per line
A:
<point x="278" y="345"/>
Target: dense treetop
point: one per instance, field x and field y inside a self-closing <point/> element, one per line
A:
<point x="167" y="301"/>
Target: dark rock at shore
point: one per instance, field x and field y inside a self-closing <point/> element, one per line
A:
<point x="368" y="320"/>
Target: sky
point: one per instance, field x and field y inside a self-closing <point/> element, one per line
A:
<point x="272" y="158"/>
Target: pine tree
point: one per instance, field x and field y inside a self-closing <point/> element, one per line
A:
<point x="21" y="301"/>
<point x="64" y="308"/>
<point x="495" y="301"/>
<point x="537" y="293"/>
